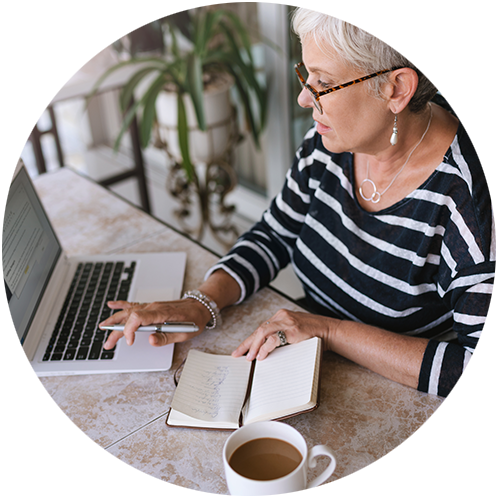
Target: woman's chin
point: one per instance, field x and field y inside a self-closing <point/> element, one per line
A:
<point x="332" y="145"/>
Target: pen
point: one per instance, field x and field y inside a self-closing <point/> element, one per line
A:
<point x="177" y="327"/>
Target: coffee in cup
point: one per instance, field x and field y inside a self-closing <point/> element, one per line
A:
<point x="265" y="458"/>
<point x="268" y="458"/>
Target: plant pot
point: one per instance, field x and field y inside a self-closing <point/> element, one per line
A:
<point x="204" y="146"/>
<point x="30" y="19"/>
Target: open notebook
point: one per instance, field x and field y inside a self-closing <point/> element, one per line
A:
<point x="222" y="392"/>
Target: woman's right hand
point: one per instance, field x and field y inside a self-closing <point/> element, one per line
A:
<point x="134" y="314"/>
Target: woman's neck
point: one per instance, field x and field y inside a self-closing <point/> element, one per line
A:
<point x="396" y="171"/>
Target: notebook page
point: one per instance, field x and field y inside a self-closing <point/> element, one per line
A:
<point x="212" y="387"/>
<point x="283" y="381"/>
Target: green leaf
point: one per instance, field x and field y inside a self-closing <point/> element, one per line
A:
<point x="127" y="120"/>
<point x="195" y="88"/>
<point x="105" y="76"/>
<point x="175" y="45"/>
<point x="148" y="102"/>
<point x="199" y="35"/>
<point x="247" y="85"/>
<point x="183" y="136"/>
<point x="244" y="96"/>
<point x="208" y="33"/>
<point x="128" y="90"/>
<point x="247" y="72"/>
<point x="239" y="29"/>
<point x="136" y="61"/>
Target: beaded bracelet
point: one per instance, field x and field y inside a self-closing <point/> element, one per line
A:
<point x="208" y="303"/>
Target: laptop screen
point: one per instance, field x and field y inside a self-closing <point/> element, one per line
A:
<point x="30" y="250"/>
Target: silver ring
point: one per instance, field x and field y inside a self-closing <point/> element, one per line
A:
<point x="282" y="337"/>
<point x="267" y="322"/>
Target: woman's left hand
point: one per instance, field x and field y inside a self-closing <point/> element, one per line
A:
<point x="297" y="326"/>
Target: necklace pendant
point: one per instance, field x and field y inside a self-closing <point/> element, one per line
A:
<point x="375" y="196"/>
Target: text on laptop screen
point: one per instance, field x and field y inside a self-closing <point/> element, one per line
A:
<point x="29" y="251"/>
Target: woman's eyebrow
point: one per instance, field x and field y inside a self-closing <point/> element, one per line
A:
<point x="314" y="69"/>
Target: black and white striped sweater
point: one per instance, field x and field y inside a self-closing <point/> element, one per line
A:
<point x="422" y="267"/>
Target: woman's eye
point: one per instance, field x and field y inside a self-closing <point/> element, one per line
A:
<point x="324" y="85"/>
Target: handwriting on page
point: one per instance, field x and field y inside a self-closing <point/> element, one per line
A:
<point x="209" y="401"/>
<point x="212" y="387"/>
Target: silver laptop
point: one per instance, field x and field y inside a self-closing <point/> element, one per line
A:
<point x="56" y="301"/>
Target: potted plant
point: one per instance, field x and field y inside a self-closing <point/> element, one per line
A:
<point x="206" y="46"/>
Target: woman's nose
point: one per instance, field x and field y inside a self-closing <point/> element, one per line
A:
<point x="305" y="98"/>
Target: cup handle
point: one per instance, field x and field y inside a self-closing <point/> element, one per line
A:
<point x="318" y="450"/>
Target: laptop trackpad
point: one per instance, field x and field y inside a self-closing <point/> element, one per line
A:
<point x="152" y="294"/>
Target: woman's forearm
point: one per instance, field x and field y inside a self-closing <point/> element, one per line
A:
<point x="394" y="356"/>
<point x="221" y="288"/>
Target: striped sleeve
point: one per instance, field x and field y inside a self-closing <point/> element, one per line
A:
<point x="444" y="362"/>
<point x="259" y="254"/>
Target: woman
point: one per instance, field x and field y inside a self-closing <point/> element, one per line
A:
<point x="385" y="215"/>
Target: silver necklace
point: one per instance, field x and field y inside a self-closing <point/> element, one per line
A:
<point x="375" y="197"/>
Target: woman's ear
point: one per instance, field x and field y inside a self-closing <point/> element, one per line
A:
<point x="400" y="88"/>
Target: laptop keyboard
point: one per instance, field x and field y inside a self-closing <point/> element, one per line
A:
<point x="76" y="334"/>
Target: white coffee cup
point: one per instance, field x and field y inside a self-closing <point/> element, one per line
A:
<point x="293" y="481"/>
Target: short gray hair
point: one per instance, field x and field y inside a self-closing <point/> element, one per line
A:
<point x="423" y="36"/>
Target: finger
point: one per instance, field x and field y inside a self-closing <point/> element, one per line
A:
<point x="242" y="348"/>
<point x="121" y="304"/>
<point x="257" y="338"/>
<point x="115" y="319"/>
<point x="251" y="345"/>
<point x="162" y="338"/>
<point x="137" y="318"/>
<point x="134" y="321"/>
<point x="158" y="339"/>
<point x="112" y="339"/>
<point x="122" y="317"/>
<point x="257" y="342"/>
<point x="268" y="346"/>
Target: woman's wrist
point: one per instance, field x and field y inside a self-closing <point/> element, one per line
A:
<point x="221" y="288"/>
<point x="199" y="314"/>
<point x="208" y="303"/>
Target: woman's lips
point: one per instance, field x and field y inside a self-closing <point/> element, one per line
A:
<point x="322" y="129"/>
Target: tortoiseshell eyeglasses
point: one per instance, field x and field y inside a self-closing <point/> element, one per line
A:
<point x="316" y="95"/>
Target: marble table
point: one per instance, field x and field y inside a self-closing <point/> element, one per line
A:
<point x="362" y="416"/>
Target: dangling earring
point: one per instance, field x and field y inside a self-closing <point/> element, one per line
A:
<point x="394" y="136"/>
